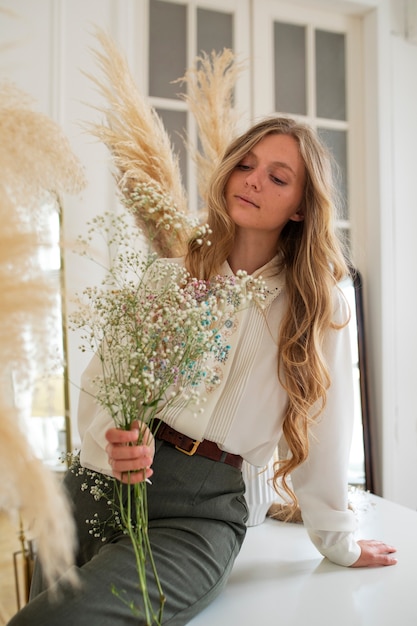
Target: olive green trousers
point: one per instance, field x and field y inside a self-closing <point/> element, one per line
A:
<point x="197" y="515"/>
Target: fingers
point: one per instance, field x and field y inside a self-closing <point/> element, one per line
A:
<point x="375" y="553"/>
<point x="125" y="458"/>
<point x="130" y="463"/>
<point x="129" y="460"/>
<point x="117" y="435"/>
<point x="133" y="477"/>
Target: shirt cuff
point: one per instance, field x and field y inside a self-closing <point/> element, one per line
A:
<point x="339" y="547"/>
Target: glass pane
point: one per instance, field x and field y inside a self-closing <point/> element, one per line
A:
<point x="290" y="68"/>
<point x="336" y="141"/>
<point x="214" y="31"/>
<point x="330" y="75"/>
<point x="167" y="47"/>
<point x="175" y="123"/>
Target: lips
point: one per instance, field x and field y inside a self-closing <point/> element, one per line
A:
<point x="247" y="200"/>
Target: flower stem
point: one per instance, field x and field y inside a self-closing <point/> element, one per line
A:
<point x="137" y="531"/>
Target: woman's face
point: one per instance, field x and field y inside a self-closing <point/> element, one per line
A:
<point x="265" y="189"/>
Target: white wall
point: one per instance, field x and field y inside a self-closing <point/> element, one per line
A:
<point x="400" y="479"/>
<point x="50" y="46"/>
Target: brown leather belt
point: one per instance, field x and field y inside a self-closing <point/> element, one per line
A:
<point x="189" y="446"/>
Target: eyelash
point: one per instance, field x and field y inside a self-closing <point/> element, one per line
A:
<point x="277" y="181"/>
<point x="245" y="168"/>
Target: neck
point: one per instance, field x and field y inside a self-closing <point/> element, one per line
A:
<point x="249" y="254"/>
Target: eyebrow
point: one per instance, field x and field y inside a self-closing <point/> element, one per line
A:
<point x="284" y="165"/>
<point x="275" y="163"/>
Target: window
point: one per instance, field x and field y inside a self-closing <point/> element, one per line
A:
<point x="308" y="65"/>
<point x="178" y="32"/>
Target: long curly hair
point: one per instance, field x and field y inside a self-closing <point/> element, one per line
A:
<point x="312" y="257"/>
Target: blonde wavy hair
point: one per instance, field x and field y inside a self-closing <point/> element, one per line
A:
<point x="313" y="260"/>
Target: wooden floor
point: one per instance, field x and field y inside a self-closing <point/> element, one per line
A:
<point x="9" y="543"/>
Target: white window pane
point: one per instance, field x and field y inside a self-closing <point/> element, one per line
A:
<point x="330" y="75"/>
<point x="336" y="141"/>
<point x="214" y="31"/>
<point x="167" y="47"/>
<point x="290" y="68"/>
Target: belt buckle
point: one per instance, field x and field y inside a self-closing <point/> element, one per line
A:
<point x="192" y="451"/>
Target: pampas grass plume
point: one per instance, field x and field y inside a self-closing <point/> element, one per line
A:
<point x="210" y="86"/>
<point x="36" y="164"/>
<point x="138" y="142"/>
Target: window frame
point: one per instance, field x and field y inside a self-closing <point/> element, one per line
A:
<point x="268" y="11"/>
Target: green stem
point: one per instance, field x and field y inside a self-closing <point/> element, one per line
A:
<point x="138" y="534"/>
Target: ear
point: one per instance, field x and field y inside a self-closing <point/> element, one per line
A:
<point x="298" y="216"/>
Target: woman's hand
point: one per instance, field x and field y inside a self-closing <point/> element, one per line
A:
<point x="375" y="553"/>
<point x="129" y="461"/>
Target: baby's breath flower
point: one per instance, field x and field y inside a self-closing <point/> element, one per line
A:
<point x="159" y="334"/>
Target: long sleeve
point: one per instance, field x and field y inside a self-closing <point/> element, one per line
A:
<point x="321" y="481"/>
<point x="93" y="422"/>
<point x="341" y="548"/>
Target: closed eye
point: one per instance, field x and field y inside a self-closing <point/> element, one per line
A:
<point x="277" y="181"/>
<point x="243" y="167"/>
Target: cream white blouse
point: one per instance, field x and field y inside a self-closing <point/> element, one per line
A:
<point x="244" y="415"/>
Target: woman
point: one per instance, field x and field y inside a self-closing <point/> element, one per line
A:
<point x="271" y="214"/>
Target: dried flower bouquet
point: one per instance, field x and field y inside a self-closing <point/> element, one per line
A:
<point x="157" y="332"/>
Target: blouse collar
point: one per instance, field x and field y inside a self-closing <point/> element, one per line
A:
<point x="272" y="275"/>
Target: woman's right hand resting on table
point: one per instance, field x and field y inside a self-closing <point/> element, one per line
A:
<point x="130" y="462"/>
<point x="374" y="554"/>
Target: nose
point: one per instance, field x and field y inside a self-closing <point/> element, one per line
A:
<point x="253" y="179"/>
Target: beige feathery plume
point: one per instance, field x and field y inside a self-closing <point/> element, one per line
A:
<point x="35" y="162"/>
<point x="35" y="156"/>
<point x="32" y="490"/>
<point x="141" y="149"/>
<point x="139" y="145"/>
<point x="210" y="88"/>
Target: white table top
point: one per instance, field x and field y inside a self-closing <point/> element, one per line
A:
<point x="280" y="578"/>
